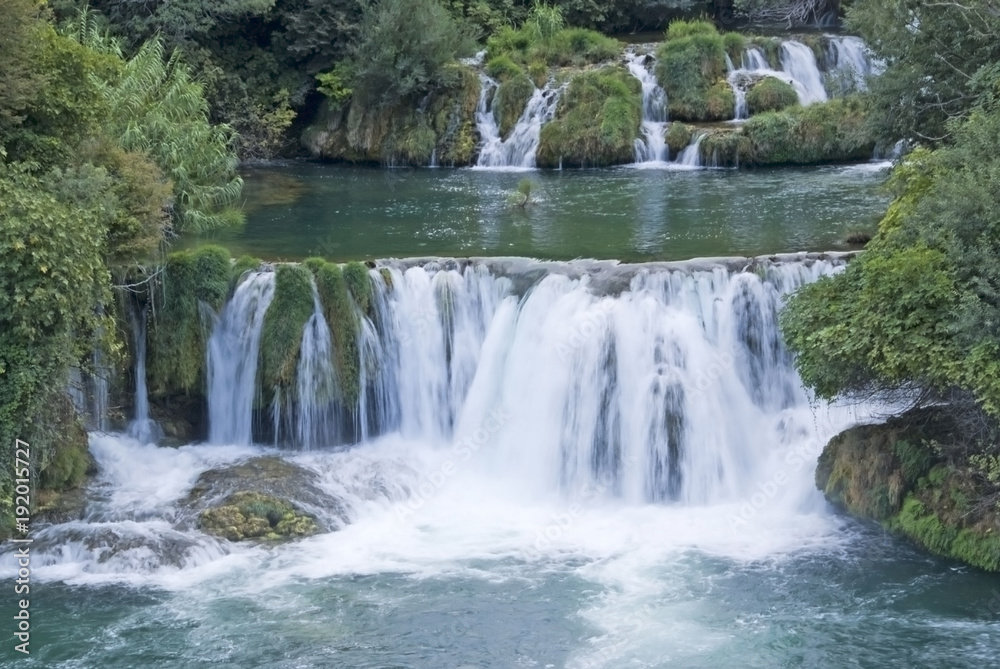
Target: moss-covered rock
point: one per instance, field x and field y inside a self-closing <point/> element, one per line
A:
<point x="834" y="131"/>
<point x="511" y="97"/>
<point x="678" y="137"/>
<point x="691" y="68"/>
<point x="596" y="122"/>
<point x="895" y="474"/>
<point x="771" y="94"/>
<point x="253" y="515"/>
<point x="443" y="125"/>
<point x="286" y="317"/>
<point x="342" y="318"/>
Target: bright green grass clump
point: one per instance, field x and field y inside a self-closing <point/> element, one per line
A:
<point x="597" y="121"/>
<point x="342" y="317"/>
<point x="771" y="94"/>
<point x="691" y="65"/>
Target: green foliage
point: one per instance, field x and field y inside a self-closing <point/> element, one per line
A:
<point x="155" y="107"/>
<point x="933" y="73"/>
<point x="771" y="94"/>
<point x="359" y="283"/>
<point x="924" y="527"/>
<point x="735" y="45"/>
<point x="596" y="122"/>
<point x="542" y="39"/>
<point x="333" y="85"/>
<point x="20" y="78"/>
<point x="179" y="332"/>
<point x="502" y="68"/>
<point x="284" y="322"/>
<point x="691" y="66"/>
<point x="825" y="132"/>
<point x="243" y="265"/>
<point x="525" y="190"/>
<point x="407" y="49"/>
<point x="511" y="97"/>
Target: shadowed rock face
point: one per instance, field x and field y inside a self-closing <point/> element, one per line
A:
<point x="263" y="498"/>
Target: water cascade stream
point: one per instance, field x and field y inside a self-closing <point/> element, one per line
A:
<point x="519" y="149"/>
<point x="142" y="427"/>
<point x="652" y="148"/>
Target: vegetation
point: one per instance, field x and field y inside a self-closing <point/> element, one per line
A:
<point x="281" y="337"/>
<point x="544" y="39"/>
<point x="596" y="122"/>
<point x="771" y="94"/>
<point x="691" y="68"/>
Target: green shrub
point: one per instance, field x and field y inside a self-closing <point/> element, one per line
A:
<point x="735" y="44"/>
<point x="771" y="94"/>
<point x="538" y="41"/>
<point x="682" y="28"/>
<point x="821" y="133"/>
<point x="597" y="121"/>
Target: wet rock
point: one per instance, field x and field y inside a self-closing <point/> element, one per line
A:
<point x="252" y="515"/>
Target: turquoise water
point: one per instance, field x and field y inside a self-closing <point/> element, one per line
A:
<point x="346" y="213"/>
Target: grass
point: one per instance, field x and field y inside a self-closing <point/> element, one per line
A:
<point x="771" y="94"/>
<point x="341" y="316"/>
<point x="597" y="121"/>
<point x="690" y="66"/>
<point x="567" y="47"/>
<point x="511" y="97"/>
<point x="678" y="137"/>
<point x="833" y="131"/>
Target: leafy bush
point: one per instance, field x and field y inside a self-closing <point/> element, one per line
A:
<point x="820" y="133"/>
<point x="771" y="94"/>
<point x="596" y="122"/>
<point x="538" y="41"/>
<point x="502" y="68"/>
<point x="511" y="97"/>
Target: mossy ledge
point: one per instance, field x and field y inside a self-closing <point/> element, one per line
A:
<point x="895" y="474"/>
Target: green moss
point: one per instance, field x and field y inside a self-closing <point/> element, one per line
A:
<point x="69" y="460"/>
<point x="678" y="137"/>
<point x="359" y="282"/>
<point x="771" y="94"/>
<point x="924" y="527"/>
<point x="691" y="65"/>
<point x="596" y="123"/>
<point x="502" y="68"/>
<point x="978" y="548"/>
<point x="178" y="334"/>
<point x="734" y="44"/>
<point x="539" y="73"/>
<point x="243" y="265"/>
<point x="340" y="314"/>
<point x="253" y="515"/>
<point x="914" y="459"/>
<point x="511" y="97"/>
<point x="821" y="133"/>
<point x="725" y="148"/>
<point x="284" y="322"/>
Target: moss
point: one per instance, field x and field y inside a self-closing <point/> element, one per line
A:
<point x="253" y="515"/>
<point x="502" y="68"/>
<point x="734" y="44"/>
<point x="691" y="63"/>
<point x="924" y="527"/>
<point x="771" y="94"/>
<point x="511" y="97"/>
<point x="69" y="459"/>
<point x="538" y="71"/>
<point x="720" y="101"/>
<point x="833" y="131"/>
<point x="341" y="316"/>
<point x="978" y="548"/>
<point x="596" y="122"/>
<point x="243" y="265"/>
<point x="359" y="282"/>
<point x="678" y="137"/>
<point x="725" y="148"/>
<point x="770" y="47"/>
<point x="284" y="322"/>
<point x="178" y="334"/>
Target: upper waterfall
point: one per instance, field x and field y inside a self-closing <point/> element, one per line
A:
<point x="519" y="149"/>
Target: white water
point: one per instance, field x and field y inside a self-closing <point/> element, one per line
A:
<point x="316" y="381"/>
<point x="142" y="427"/>
<point x="232" y="360"/>
<point x="799" y="62"/>
<point x="850" y="55"/>
<point x="690" y="158"/>
<point x="652" y="148"/>
<point x="517" y="152"/>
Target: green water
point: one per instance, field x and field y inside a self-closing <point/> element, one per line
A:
<point x="343" y="213"/>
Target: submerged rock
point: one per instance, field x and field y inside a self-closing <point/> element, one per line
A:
<point x="896" y="474"/>
<point x="252" y="515"/>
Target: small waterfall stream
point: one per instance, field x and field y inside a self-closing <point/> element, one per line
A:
<point x="652" y="148"/>
<point x="142" y="428"/>
<point x="519" y="149"/>
<point x="799" y="62"/>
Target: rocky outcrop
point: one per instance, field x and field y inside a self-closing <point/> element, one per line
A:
<point x="896" y="474"/>
<point x="266" y="498"/>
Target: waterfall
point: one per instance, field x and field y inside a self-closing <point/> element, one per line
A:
<point x="690" y="158"/>
<point x="799" y="63"/>
<point x="316" y="382"/>
<point x="849" y="55"/>
<point x="517" y="151"/>
<point x="653" y="147"/>
<point x="232" y="360"/>
<point x="142" y="427"/>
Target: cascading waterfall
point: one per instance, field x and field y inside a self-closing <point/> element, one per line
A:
<point x="850" y="56"/>
<point x="690" y="157"/>
<point x="142" y="427"/>
<point x="799" y="62"/>
<point x="232" y="360"/>
<point x="550" y="347"/>
<point x="519" y="149"/>
<point x="652" y="148"/>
